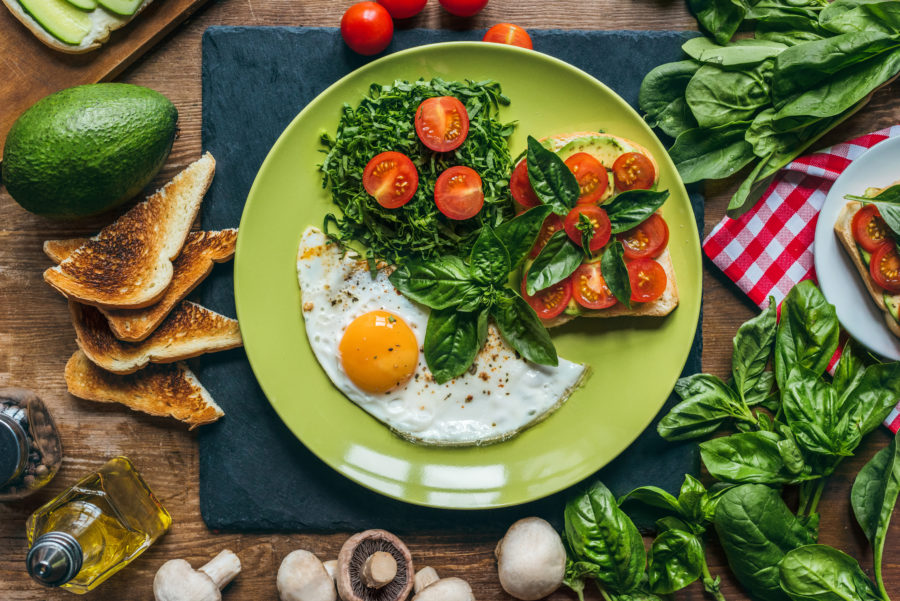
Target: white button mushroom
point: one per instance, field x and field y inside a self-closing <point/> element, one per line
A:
<point x="177" y="581"/>
<point x="302" y="577"/>
<point x="446" y="589"/>
<point x="424" y="578"/>
<point x="531" y="559"/>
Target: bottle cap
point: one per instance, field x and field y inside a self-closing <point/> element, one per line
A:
<point x="13" y="450"/>
<point x="54" y="559"/>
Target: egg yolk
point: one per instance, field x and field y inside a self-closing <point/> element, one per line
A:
<point x="379" y="352"/>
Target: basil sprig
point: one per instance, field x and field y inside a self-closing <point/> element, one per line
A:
<point x="551" y="179"/>
<point x="888" y="204"/>
<point x="615" y="273"/>
<point x="586" y="227"/>
<point x="463" y="294"/>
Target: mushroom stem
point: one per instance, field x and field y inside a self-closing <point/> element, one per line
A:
<point x="379" y="570"/>
<point x="424" y="578"/>
<point x="222" y="568"/>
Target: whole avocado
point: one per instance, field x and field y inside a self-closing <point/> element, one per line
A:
<point x="87" y="149"/>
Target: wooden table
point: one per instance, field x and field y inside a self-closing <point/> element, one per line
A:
<point x="36" y="338"/>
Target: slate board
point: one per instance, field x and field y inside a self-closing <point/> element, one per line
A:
<point x="254" y="473"/>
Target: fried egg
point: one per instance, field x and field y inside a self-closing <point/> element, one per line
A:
<point x="368" y="339"/>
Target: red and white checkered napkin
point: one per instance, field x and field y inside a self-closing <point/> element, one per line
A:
<point x="770" y="249"/>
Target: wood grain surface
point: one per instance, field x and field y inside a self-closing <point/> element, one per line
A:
<point x="29" y="70"/>
<point x="36" y="338"/>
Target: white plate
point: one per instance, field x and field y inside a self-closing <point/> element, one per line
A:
<point x="838" y="277"/>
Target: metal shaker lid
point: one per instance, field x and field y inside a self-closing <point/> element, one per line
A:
<point x="54" y="559"/>
<point x="13" y="449"/>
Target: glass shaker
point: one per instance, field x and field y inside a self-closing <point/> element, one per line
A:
<point x="30" y="451"/>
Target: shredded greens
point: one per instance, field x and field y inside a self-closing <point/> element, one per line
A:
<point x="384" y="120"/>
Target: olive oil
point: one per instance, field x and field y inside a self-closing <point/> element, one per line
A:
<point x="94" y="529"/>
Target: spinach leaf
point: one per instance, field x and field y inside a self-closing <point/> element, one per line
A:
<point x="756" y="529"/>
<point x="787" y="34"/>
<point x="522" y="329"/>
<point x="711" y="153"/>
<point x="823" y="573"/>
<point x="489" y="260"/>
<point x="707" y="403"/>
<point x="750" y="190"/>
<point x="598" y="532"/>
<point x="807" y="333"/>
<point x="615" y="273"/>
<point x="518" y="234"/>
<point x="868" y="403"/>
<point x="551" y="180"/>
<point x="676" y="560"/>
<point x="736" y="55"/>
<point x="718" y="97"/>
<point x="661" y="97"/>
<point x="748" y="457"/>
<point x="631" y="208"/>
<point x="847" y="16"/>
<point x="752" y="349"/>
<point x="873" y="497"/>
<point x="721" y="18"/>
<point x="452" y="340"/>
<point x="556" y="261"/>
<point x="437" y="283"/>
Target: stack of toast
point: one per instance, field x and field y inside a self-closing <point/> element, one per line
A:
<point x="126" y="288"/>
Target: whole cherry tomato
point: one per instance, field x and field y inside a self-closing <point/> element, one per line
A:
<point x="507" y="33"/>
<point x="367" y="28"/>
<point x="463" y="8"/>
<point x="403" y="9"/>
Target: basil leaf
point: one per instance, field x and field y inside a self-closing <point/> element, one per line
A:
<point x="600" y="533"/>
<point x="676" y="560"/>
<point x="810" y="406"/>
<point x="849" y="371"/>
<point x="873" y="497"/>
<point x="518" y="234"/>
<point x="754" y="517"/>
<point x="451" y="343"/>
<point x="661" y="97"/>
<point x="654" y="497"/>
<point x="633" y="207"/>
<point x="556" y="261"/>
<point x="748" y="457"/>
<point x="711" y="152"/>
<point x="438" y="284"/>
<point x="692" y="497"/>
<point x="586" y="227"/>
<point x="888" y="204"/>
<point x="807" y="333"/>
<point x="891" y="215"/>
<point x="825" y="574"/>
<point x="868" y="404"/>
<point x="615" y="273"/>
<point x="761" y="393"/>
<point x="522" y="329"/>
<point x="752" y="349"/>
<point x="707" y="402"/>
<point x="489" y="260"/>
<point x="551" y="180"/>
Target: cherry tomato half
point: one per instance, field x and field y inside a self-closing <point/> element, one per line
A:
<point x="885" y="267"/>
<point x="403" y="9"/>
<point x="591" y="176"/>
<point x="552" y="224"/>
<point x="521" y="189"/>
<point x="648" y="280"/>
<point x="442" y="123"/>
<point x="367" y="28"/>
<point x="391" y="178"/>
<point x="646" y="240"/>
<point x="507" y="33"/>
<point x="633" y="171"/>
<point x="599" y="220"/>
<point x="458" y="194"/>
<point x="551" y="301"/>
<point x="463" y="8"/>
<point x="869" y="229"/>
<point x="590" y="289"/>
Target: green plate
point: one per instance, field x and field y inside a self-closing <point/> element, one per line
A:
<point x="635" y="362"/>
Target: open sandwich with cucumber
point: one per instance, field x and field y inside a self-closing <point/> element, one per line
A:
<point x="461" y="258"/>
<point x="75" y="26"/>
<point x="869" y="229"/>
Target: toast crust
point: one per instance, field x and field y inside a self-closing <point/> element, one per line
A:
<point x="190" y="330"/>
<point x="128" y="265"/>
<point x="201" y="251"/>
<point x="170" y="390"/>
<point x="843" y="228"/>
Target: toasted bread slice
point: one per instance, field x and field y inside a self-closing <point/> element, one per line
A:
<point x="102" y="23"/>
<point x="843" y="228"/>
<point x="128" y="265"/>
<point x="195" y="262"/>
<point x="188" y="331"/>
<point x="170" y="390"/>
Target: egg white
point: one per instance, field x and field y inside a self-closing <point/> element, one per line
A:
<point x="500" y="395"/>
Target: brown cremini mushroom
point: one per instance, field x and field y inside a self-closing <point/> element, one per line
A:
<point x="374" y="565"/>
<point x="176" y="580"/>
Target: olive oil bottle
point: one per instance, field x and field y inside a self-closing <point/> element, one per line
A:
<point x="94" y="529"/>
